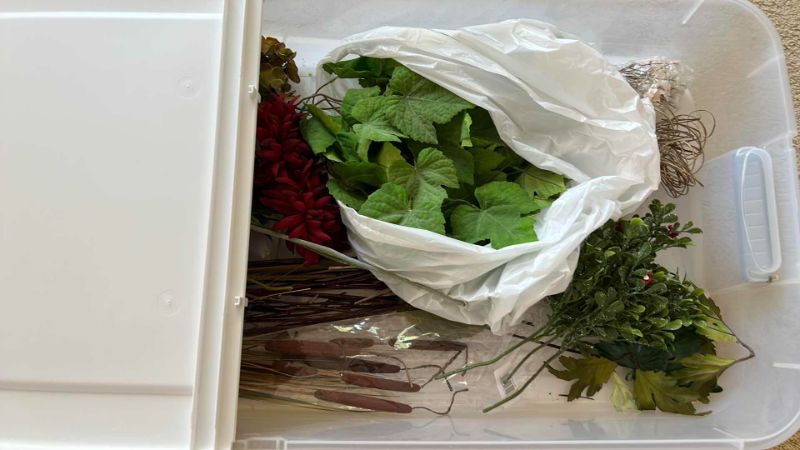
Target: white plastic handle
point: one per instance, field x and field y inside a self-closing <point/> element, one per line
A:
<point x="749" y="159"/>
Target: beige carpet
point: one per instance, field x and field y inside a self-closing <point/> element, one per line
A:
<point x="786" y="16"/>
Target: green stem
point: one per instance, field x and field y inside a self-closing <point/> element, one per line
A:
<point x="539" y="333"/>
<point x="519" y="391"/>
<point x="508" y="376"/>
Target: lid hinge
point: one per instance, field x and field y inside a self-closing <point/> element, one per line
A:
<point x="240" y="301"/>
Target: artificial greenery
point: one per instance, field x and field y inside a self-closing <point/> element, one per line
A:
<point x="624" y="310"/>
<point x="277" y="68"/>
<point x="407" y="151"/>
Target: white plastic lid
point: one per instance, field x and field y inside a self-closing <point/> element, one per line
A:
<point x="126" y="137"/>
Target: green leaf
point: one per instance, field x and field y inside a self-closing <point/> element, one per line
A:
<point x="370" y="71"/>
<point x="431" y="171"/>
<point x="621" y="396"/>
<point x="349" y="143"/>
<point x="500" y="216"/>
<point x="333" y="125"/>
<point x="362" y="149"/>
<point x="317" y="136"/>
<point x="377" y="131"/>
<point x="482" y="130"/>
<point x="391" y="203"/>
<point x="701" y="368"/>
<point x="487" y="160"/>
<point x="388" y="154"/>
<point x="635" y="356"/>
<point x="371" y="113"/>
<point x="463" y="162"/>
<point x="541" y="183"/>
<point x="688" y="342"/>
<point x="657" y="390"/>
<point x="352" y="97"/>
<point x="700" y="373"/>
<point x="421" y="103"/>
<point x="455" y="132"/>
<point x="590" y="373"/>
<point x="352" y="199"/>
<point x="714" y="329"/>
<point x="358" y="175"/>
<point x="466" y="141"/>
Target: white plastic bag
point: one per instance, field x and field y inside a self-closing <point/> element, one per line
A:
<point x="556" y="102"/>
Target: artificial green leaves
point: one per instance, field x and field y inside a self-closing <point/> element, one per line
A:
<point x="590" y="374"/>
<point x="407" y="151"/>
<point x="503" y="217"/>
<point x="644" y="319"/>
<point x="392" y="203"/>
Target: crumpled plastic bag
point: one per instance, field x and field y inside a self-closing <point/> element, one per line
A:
<point x="556" y="102"/>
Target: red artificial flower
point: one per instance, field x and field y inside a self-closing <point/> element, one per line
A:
<point x="648" y="279"/>
<point x="279" y="143"/>
<point x="289" y="181"/>
<point x="671" y="232"/>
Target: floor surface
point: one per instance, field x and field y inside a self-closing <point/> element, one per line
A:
<point x="785" y="14"/>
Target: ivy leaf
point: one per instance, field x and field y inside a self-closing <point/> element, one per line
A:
<point x="431" y="171"/>
<point x="541" y="183"/>
<point x="352" y="199"/>
<point x="657" y="390"/>
<point x="391" y="203"/>
<point x="317" y="136"/>
<point x="590" y="374"/>
<point x="421" y="103"/>
<point x="500" y="216"/>
<point x="352" y="97"/>
<point x="358" y="175"/>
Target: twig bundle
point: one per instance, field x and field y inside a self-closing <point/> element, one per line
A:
<point x="681" y="137"/>
<point x="286" y="294"/>
<point x="681" y="142"/>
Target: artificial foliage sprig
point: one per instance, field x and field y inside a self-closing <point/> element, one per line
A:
<point x="406" y="151"/>
<point x="623" y="310"/>
<point x="278" y="68"/>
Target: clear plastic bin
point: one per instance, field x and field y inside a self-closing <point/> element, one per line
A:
<point x="126" y="154"/>
<point x="740" y="76"/>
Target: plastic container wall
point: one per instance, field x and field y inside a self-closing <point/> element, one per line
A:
<point x="740" y="76"/>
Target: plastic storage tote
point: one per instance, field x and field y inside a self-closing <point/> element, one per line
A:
<point x="126" y="147"/>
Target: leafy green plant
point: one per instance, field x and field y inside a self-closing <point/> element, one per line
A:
<point x="407" y="151"/>
<point x="625" y="311"/>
